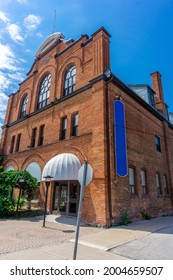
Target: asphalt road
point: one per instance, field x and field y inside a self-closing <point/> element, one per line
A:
<point x="155" y="246"/>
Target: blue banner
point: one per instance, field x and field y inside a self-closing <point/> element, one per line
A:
<point x="120" y="139"/>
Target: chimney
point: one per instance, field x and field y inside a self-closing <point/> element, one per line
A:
<point x="157" y="87"/>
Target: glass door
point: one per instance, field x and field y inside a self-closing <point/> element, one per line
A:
<point x="73" y="199"/>
<point x="66" y="198"/>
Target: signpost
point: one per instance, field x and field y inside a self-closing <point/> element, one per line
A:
<point x="84" y="177"/>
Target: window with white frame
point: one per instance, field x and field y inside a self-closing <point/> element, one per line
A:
<point x="132" y="180"/>
<point x="70" y="80"/>
<point x="143" y="181"/>
<point x="23" y="107"/>
<point x="44" y="92"/>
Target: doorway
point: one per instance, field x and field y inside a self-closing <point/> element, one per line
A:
<point x="66" y="198"/>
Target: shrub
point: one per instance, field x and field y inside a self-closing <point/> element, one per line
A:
<point x="145" y="216"/>
<point x="7" y="203"/>
<point x="8" y="181"/>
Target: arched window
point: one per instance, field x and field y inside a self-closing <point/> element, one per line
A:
<point x="34" y="169"/>
<point x="70" y="80"/>
<point x="10" y="167"/>
<point x="23" y="107"/>
<point x="44" y="91"/>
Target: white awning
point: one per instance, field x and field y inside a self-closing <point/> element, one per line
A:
<point x="62" y="167"/>
<point x="34" y="169"/>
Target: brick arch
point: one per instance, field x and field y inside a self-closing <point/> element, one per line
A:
<point x="11" y="162"/>
<point x="73" y="150"/>
<point x="49" y="69"/>
<point x="23" y="95"/>
<point x="33" y="158"/>
<point x="74" y="60"/>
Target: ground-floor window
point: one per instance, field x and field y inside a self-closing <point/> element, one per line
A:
<point x="132" y="180"/>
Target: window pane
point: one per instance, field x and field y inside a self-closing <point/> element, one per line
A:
<point x="24" y="106"/>
<point x="76" y="119"/>
<point x="131" y="176"/>
<point x="143" y="177"/>
<point x="165" y="184"/>
<point x="44" y="91"/>
<point x="157" y="142"/>
<point x="69" y="80"/>
<point x="64" y="123"/>
<point x="157" y="181"/>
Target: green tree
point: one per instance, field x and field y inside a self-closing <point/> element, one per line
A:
<point x="10" y="180"/>
<point x="1" y="161"/>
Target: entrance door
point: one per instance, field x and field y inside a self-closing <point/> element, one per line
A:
<point x="66" y="198"/>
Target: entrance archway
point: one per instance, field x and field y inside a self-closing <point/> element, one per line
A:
<point x="64" y="169"/>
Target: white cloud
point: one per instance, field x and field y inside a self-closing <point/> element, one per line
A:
<point x="3" y="108"/>
<point x="28" y="51"/>
<point x="39" y="35"/>
<point x="7" y="58"/>
<point x="14" y="31"/>
<point x="4" y="81"/>
<point x="32" y="21"/>
<point x="17" y="76"/>
<point x="22" y="1"/>
<point x="3" y="17"/>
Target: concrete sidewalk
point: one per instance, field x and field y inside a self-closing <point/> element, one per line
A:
<point x="94" y="246"/>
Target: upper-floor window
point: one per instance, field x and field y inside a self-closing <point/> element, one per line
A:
<point x="12" y="144"/>
<point x="70" y="80"/>
<point x="75" y="125"/>
<point x="18" y="142"/>
<point x="63" y="128"/>
<point x="44" y="91"/>
<point x="33" y="137"/>
<point x="157" y="143"/>
<point x="41" y="135"/>
<point x="23" y="107"/>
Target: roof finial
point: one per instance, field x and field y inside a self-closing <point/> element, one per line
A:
<point x="54" y="22"/>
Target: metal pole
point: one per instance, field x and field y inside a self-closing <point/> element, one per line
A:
<point x="80" y="209"/>
<point x="45" y="207"/>
<point x="18" y="199"/>
<point x="67" y="198"/>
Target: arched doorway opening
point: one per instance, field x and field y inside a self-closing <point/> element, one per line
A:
<point x="64" y="169"/>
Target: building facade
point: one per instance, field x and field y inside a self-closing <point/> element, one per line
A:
<point x="63" y="114"/>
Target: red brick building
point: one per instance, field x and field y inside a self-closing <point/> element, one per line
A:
<point x="64" y="109"/>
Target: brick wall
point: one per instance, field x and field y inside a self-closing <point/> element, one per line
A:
<point x="91" y="57"/>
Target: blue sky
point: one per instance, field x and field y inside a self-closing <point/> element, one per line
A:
<point x="141" y="42"/>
